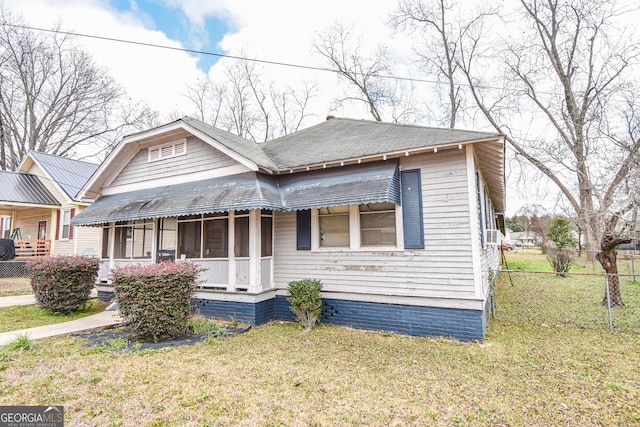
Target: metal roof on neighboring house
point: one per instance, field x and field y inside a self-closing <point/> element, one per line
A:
<point x="370" y="183"/>
<point x="24" y="188"/>
<point x="71" y="175"/>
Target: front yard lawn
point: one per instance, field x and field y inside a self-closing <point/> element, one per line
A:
<point x="525" y="373"/>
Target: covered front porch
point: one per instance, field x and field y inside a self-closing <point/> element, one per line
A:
<point x="234" y="248"/>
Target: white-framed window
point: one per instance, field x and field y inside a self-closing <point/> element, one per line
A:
<point x="65" y="224"/>
<point x="334" y="227"/>
<point x="368" y="226"/>
<point x="378" y="224"/>
<point x="166" y="151"/>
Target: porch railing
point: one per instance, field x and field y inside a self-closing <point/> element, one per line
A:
<point x="27" y="248"/>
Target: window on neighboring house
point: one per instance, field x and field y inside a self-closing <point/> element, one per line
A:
<point x="378" y="224"/>
<point x="334" y="227"/>
<point x="133" y="240"/>
<point x="6" y="227"/>
<point x="65" y="224"/>
<point x="166" y="151"/>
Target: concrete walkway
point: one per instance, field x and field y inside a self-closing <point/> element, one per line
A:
<point x="96" y="321"/>
<point x="17" y="300"/>
<point x="28" y="299"/>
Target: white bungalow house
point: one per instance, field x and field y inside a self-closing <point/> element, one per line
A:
<point x="37" y="203"/>
<point x="397" y="221"/>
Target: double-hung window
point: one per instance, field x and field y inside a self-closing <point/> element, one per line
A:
<point x="334" y="227"/>
<point x="354" y="227"/>
<point x="65" y="224"/>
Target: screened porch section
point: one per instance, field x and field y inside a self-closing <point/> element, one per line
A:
<point x="235" y="248"/>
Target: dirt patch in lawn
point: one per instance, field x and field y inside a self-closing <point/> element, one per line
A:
<point x="117" y="339"/>
<point x="10" y="286"/>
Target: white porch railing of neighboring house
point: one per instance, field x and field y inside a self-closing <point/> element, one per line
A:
<point x="28" y="248"/>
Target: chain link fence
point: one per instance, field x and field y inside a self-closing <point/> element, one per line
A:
<point x="13" y="269"/>
<point x="580" y="299"/>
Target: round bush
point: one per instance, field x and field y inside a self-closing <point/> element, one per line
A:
<point x="155" y="299"/>
<point x="62" y="284"/>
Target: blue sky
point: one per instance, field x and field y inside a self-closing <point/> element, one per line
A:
<point x="173" y="22"/>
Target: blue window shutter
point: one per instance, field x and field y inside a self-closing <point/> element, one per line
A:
<point x="412" y="209"/>
<point x="303" y="230"/>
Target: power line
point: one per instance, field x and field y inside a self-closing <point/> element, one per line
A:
<point x="239" y="58"/>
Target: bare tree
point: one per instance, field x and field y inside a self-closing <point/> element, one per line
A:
<point x="440" y="28"/>
<point x="365" y="75"/>
<point x="564" y="72"/>
<point x="245" y="105"/>
<point x="291" y="105"/>
<point x="53" y="98"/>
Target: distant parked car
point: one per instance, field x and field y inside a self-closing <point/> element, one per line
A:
<point x="507" y="246"/>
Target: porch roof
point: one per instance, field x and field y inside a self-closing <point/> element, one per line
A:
<point x="367" y="183"/>
<point x="24" y="188"/>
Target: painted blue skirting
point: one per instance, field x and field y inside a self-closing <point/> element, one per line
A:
<point x="464" y="325"/>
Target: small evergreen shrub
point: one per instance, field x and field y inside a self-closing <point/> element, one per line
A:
<point x="306" y="301"/>
<point x="62" y="284"/>
<point x="155" y="299"/>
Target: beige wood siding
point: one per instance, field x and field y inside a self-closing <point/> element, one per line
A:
<point x="443" y="269"/>
<point x="27" y="221"/>
<point x="200" y="157"/>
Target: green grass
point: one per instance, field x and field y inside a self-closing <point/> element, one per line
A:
<point x="15" y="286"/>
<point x="29" y="316"/>
<point x="539" y="365"/>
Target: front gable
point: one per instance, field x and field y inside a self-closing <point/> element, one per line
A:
<point x="176" y="161"/>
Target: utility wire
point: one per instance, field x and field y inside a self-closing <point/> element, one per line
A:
<point x="240" y="58"/>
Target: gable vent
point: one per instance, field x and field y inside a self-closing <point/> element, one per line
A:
<point x="166" y="151"/>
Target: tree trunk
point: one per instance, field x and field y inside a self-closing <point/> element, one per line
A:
<point x="608" y="259"/>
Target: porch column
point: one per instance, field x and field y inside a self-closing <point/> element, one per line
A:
<point x="255" y="265"/>
<point x="112" y="245"/>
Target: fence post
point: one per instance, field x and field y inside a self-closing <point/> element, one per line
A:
<point x="606" y="285"/>
<point x="633" y="268"/>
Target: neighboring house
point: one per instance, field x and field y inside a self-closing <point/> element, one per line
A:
<point x="391" y="218"/>
<point x="37" y="203"/>
<point x="526" y="238"/>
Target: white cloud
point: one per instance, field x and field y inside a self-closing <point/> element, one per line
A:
<point x="155" y="76"/>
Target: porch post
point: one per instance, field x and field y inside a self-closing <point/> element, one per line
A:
<point x="255" y="265"/>
<point x="112" y="245"/>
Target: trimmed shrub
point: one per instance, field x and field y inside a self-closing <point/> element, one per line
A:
<point x="306" y="301"/>
<point x="155" y="299"/>
<point x="62" y="284"/>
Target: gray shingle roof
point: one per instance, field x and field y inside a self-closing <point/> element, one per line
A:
<point x="339" y="139"/>
<point x="69" y="174"/>
<point x="24" y="188"/>
<point x="248" y="149"/>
